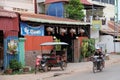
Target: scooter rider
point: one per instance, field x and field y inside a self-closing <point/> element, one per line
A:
<point x="99" y="53"/>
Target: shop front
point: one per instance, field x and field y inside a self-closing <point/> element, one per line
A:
<point x="9" y="27"/>
<point x="62" y="29"/>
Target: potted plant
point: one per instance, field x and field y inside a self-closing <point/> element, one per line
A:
<point x="8" y="71"/>
<point x="49" y="30"/>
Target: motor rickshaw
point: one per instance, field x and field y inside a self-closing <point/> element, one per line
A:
<point x="54" y="58"/>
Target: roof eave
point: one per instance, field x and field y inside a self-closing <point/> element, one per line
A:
<point x="52" y="21"/>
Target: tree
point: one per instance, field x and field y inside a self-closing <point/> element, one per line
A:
<point x="74" y="10"/>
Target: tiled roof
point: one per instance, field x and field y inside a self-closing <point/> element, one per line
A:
<point x="49" y="19"/>
<point x="53" y="1"/>
<point x="5" y="13"/>
<point x="85" y="2"/>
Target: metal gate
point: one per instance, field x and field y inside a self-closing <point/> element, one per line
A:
<point x="8" y="55"/>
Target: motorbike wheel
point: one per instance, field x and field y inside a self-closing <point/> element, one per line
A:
<point x="45" y="68"/>
<point x="94" y="67"/>
<point x="63" y="65"/>
<point x="101" y="67"/>
<point x="49" y="68"/>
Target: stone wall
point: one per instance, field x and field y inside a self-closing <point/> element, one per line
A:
<point x="30" y="57"/>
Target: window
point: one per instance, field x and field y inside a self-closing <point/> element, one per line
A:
<point x="112" y="2"/>
<point x="104" y="1"/>
<point x="96" y="0"/>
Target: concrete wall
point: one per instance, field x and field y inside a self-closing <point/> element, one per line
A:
<point x="108" y="11"/>
<point x="18" y="5"/>
<point x="95" y="35"/>
<point x="117" y="47"/>
<point x="110" y="45"/>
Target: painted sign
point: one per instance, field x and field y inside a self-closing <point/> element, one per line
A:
<point x="12" y="46"/>
<point x="96" y="24"/>
<point x="30" y="30"/>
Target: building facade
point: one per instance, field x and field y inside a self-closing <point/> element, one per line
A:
<point x="9" y="41"/>
<point x="21" y="5"/>
<point x="109" y="7"/>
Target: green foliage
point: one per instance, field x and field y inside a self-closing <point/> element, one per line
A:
<point x="91" y="47"/>
<point x="74" y="10"/>
<point x="15" y="65"/>
<point x="87" y="47"/>
<point x="84" y="48"/>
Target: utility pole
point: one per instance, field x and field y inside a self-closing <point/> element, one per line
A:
<point x="116" y="31"/>
<point x="114" y="34"/>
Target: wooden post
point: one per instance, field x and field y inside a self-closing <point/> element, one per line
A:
<point x="76" y="50"/>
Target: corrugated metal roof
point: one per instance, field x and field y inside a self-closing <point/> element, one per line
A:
<point x="85" y="2"/>
<point x="49" y="19"/>
<point x="9" y="22"/>
<point x="4" y="13"/>
<point x="112" y="29"/>
<point x="53" y="1"/>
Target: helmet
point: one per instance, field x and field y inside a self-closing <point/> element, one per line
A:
<point x="39" y="56"/>
<point x="97" y="47"/>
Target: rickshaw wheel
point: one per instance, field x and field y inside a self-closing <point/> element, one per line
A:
<point x="45" y="68"/>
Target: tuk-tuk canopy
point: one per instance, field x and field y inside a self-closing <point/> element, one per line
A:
<point x="53" y="43"/>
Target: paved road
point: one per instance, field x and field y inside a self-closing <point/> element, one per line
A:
<point x="71" y="69"/>
<point x="109" y="73"/>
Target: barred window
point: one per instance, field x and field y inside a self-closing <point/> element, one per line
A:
<point x="96" y="0"/>
<point x="112" y="1"/>
<point x="105" y="1"/>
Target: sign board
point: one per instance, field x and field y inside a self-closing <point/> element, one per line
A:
<point x="30" y="30"/>
<point x="96" y="24"/>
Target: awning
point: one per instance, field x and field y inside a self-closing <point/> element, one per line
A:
<point x="9" y="21"/>
<point x="49" y="19"/>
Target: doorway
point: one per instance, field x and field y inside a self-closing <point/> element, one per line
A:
<point x="1" y="49"/>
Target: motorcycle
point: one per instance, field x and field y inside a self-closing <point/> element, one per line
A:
<point x="97" y="64"/>
<point x="41" y="62"/>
